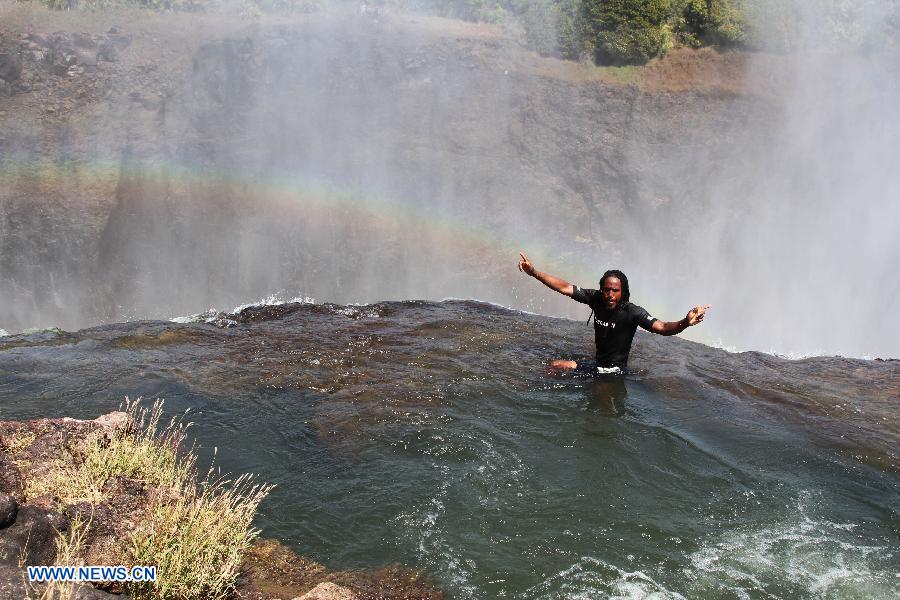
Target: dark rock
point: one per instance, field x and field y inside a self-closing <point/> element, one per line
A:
<point x="86" y="592"/>
<point x="10" y="67"/>
<point x="119" y="41"/>
<point x="59" y="66"/>
<point x="31" y="540"/>
<point x="107" y="52"/>
<point x="14" y="583"/>
<point x="100" y="516"/>
<point x="84" y="40"/>
<point x="86" y="58"/>
<point x="5" y="88"/>
<point x="8" y="509"/>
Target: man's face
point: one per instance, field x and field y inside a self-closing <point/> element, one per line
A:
<point x="611" y="288"/>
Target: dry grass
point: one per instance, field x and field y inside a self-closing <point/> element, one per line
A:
<point x="145" y="452"/>
<point x="198" y="540"/>
<point x="69" y="551"/>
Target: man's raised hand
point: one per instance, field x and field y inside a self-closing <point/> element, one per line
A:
<point x="525" y="265"/>
<point x="696" y="314"/>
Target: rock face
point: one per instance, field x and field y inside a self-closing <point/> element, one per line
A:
<point x="344" y="160"/>
<point x="8" y="510"/>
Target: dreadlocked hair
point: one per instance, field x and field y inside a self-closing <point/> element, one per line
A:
<point x="626" y="293"/>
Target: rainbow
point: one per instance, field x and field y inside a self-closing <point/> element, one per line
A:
<point x="317" y="196"/>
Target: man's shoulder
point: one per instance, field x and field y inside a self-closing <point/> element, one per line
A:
<point x="637" y="312"/>
<point x="585" y="295"/>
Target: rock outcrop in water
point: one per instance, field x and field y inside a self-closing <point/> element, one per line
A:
<point x="31" y="527"/>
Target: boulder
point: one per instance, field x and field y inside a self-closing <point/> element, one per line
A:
<point x="328" y="591"/>
<point x="31" y="540"/>
<point x="119" y="41"/>
<point x="86" y="58"/>
<point x="108" y="52"/>
<point x="84" y="40"/>
<point x="10" y="67"/>
<point x="113" y="423"/>
<point x="14" y="583"/>
<point x="37" y="39"/>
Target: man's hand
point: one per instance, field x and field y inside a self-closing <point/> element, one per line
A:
<point x="696" y="314"/>
<point x="525" y="265"/>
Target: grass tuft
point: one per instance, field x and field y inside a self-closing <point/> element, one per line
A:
<point x="69" y="552"/>
<point x="198" y="540"/>
<point x="195" y="534"/>
<point x="143" y="451"/>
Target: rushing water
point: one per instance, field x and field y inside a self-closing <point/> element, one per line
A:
<point x="431" y="434"/>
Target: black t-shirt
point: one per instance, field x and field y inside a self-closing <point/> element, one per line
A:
<point x="614" y="329"/>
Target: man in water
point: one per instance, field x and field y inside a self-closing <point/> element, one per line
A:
<point x="615" y="318"/>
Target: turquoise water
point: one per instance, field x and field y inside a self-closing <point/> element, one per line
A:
<point x="432" y="435"/>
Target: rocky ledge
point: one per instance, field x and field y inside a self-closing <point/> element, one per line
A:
<point x="34" y="524"/>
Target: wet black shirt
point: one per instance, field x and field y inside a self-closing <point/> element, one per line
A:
<point x="614" y="329"/>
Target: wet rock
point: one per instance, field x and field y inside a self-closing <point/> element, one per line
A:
<point x="10" y="67"/>
<point x="31" y="540"/>
<point x="8" y="509"/>
<point x="328" y="591"/>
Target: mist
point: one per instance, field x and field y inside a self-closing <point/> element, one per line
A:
<point x="797" y="245"/>
<point x="353" y="159"/>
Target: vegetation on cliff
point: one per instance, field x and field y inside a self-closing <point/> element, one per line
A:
<point x="611" y="32"/>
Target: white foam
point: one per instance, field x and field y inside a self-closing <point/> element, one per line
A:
<point x="820" y="557"/>
<point x="203" y="317"/>
<point x="591" y="578"/>
<point x="214" y="316"/>
<point x="273" y="300"/>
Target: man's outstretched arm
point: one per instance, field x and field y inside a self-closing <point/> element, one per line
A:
<point x="694" y="316"/>
<point x="554" y="283"/>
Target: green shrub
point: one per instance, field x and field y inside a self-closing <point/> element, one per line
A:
<point x="628" y="31"/>
<point x="718" y="22"/>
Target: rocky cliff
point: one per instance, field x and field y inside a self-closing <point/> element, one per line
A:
<point x="157" y="165"/>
